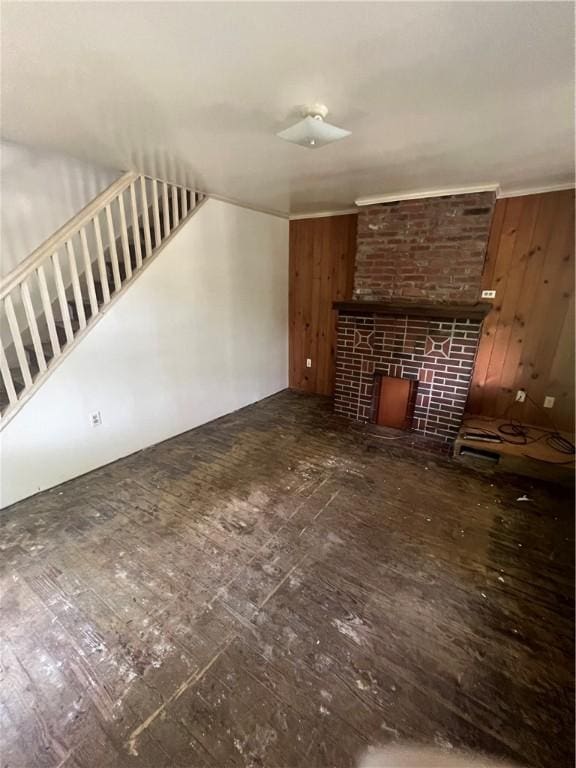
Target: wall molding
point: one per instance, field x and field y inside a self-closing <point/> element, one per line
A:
<point x="536" y="190"/>
<point x="322" y="214"/>
<point x="395" y="197"/>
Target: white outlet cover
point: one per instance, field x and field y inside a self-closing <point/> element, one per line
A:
<point x="308" y="363"/>
<point x="549" y="401"/>
<point x="95" y="419"/>
<point x="520" y="396"/>
<point x="488" y="294"/>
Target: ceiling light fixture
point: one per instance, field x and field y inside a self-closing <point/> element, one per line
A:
<point x="313" y="132"/>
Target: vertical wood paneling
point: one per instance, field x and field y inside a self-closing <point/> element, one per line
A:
<point x="322" y="255"/>
<point x="528" y="338"/>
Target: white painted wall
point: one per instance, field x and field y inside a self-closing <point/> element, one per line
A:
<point x="203" y="331"/>
<point x="41" y="191"/>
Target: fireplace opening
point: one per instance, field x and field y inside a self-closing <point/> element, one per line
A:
<point x="393" y="401"/>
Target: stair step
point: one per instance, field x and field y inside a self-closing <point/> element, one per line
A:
<point x="61" y="330"/>
<point x="121" y="265"/>
<point x="99" y="292"/>
<point x="73" y="312"/>
<point x="110" y="272"/>
<point x="31" y="355"/>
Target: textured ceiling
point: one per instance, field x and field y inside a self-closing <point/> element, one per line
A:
<point x="435" y="94"/>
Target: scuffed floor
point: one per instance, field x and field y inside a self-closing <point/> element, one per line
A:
<point x="278" y="589"/>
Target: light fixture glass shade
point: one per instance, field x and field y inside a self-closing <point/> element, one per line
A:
<point x="313" y="132"/>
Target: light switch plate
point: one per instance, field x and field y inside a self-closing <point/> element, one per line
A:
<point x="549" y="401"/>
<point x="308" y="363"/>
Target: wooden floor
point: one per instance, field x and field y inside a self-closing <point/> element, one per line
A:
<point x="279" y="589"/>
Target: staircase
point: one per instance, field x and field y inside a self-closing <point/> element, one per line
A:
<point x="56" y="295"/>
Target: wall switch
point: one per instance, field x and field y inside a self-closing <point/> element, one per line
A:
<point x="520" y="396"/>
<point x="95" y="419"/>
<point x="308" y="363"/>
<point x="488" y="294"/>
<point x="549" y="401"/>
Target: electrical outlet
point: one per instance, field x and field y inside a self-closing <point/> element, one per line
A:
<point x="549" y="401"/>
<point x="95" y="419"/>
<point x="520" y="396"/>
<point x="488" y="294"/>
<point x="308" y="363"/>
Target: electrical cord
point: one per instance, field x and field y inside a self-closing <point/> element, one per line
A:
<point x="515" y="433"/>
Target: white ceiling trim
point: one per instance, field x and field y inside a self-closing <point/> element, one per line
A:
<point x="536" y="190"/>
<point x="395" y="197"/>
<point x="322" y="214"/>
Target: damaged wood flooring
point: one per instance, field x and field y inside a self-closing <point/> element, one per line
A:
<point x="279" y="588"/>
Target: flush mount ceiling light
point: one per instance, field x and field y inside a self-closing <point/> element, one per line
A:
<point x="313" y="132"/>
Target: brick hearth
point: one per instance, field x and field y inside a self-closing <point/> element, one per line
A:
<point x="437" y="353"/>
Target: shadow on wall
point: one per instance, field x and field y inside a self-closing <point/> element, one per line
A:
<point x="41" y="191"/>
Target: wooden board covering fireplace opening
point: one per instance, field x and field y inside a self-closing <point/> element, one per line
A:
<point x="394" y="400"/>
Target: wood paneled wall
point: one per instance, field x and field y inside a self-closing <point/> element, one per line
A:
<point x="528" y="337"/>
<point x="322" y="255"/>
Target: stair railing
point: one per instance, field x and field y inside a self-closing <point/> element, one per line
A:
<point x="64" y="285"/>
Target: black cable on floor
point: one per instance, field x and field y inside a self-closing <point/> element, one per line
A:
<point x="515" y="433"/>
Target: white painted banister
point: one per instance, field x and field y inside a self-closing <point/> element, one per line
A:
<point x="61" y="292"/>
<point x="124" y="237"/>
<point x="113" y="250"/>
<point x="145" y="217"/>
<point x="165" y="209"/>
<point x="17" y="339"/>
<point x="7" y="378"/>
<point x="60" y="236"/>
<point x="175" y="214"/>
<point x="33" y="325"/>
<point x="156" y="210"/>
<point x="48" y="312"/>
<point x="78" y="299"/>
<point x="105" y="288"/>
<point x="88" y="273"/>
<point x="62" y="289"/>
<point x="135" y="226"/>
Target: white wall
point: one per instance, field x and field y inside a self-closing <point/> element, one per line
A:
<point x="41" y="191"/>
<point x="203" y="331"/>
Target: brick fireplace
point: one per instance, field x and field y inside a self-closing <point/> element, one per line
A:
<point x="416" y="313"/>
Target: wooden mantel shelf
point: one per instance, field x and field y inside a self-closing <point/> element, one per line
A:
<point x="415" y="309"/>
